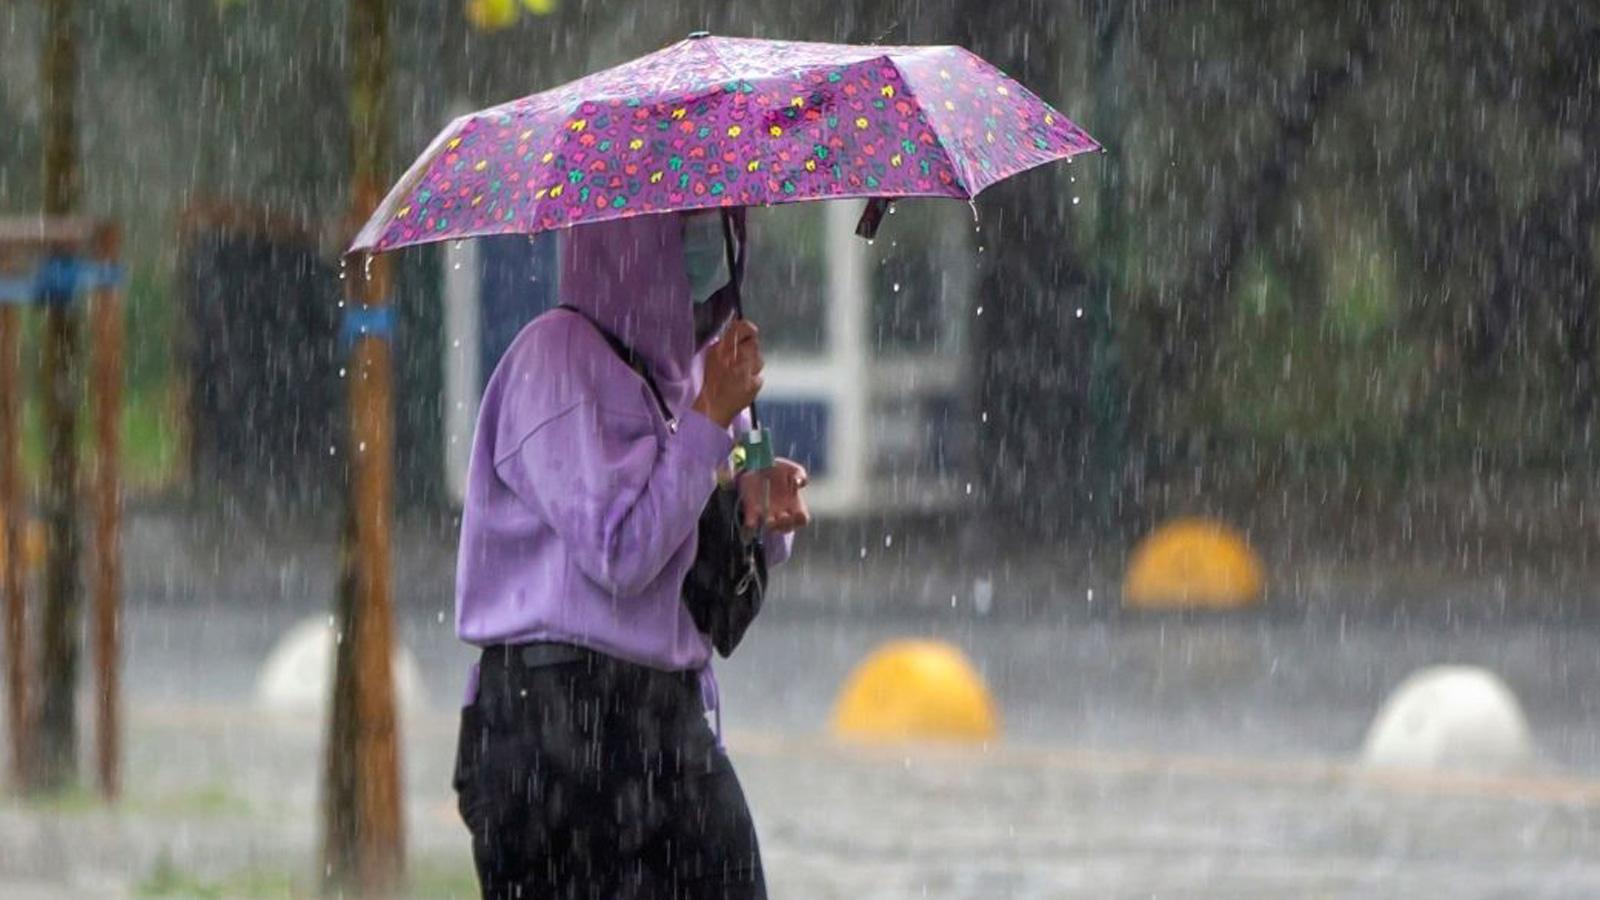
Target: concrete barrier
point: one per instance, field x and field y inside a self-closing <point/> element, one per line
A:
<point x="1457" y="718"/>
<point x="915" y="690"/>
<point x="297" y="677"/>
<point x="1193" y="564"/>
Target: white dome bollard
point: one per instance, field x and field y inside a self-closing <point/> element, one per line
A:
<point x="297" y="678"/>
<point x="1458" y="718"/>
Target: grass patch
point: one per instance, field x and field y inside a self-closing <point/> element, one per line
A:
<point x="209" y="800"/>
<point x="167" y="879"/>
<point x="204" y="801"/>
<point x="76" y="799"/>
<point x="428" y="880"/>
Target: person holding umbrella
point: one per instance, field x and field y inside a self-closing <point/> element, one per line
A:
<point x="600" y="563"/>
<point x="586" y="766"/>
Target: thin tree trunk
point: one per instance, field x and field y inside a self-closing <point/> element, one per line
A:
<point x="53" y="762"/>
<point x="106" y="400"/>
<point x="13" y="550"/>
<point x="363" y="834"/>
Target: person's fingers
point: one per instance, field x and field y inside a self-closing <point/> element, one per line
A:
<point x="740" y="332"/>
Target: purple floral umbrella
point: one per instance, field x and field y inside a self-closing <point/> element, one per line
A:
<point x="715" y="121"/>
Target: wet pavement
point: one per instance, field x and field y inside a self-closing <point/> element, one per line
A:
<point x="1142" y="757"/>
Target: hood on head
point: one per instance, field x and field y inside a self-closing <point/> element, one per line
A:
<point x="628" y="276"/>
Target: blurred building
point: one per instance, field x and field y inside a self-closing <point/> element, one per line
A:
<point x="867" y="345"/>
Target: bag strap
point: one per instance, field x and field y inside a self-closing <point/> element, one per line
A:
<point x="632" y="359"/>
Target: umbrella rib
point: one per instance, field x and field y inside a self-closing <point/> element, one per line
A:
<point x="911" y="95"/>
<point x="711" y="49"/>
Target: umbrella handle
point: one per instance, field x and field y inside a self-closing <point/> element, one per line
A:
<point x="732" y="225"/>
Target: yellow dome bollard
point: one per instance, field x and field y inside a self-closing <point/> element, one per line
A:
<point x="915" y="690"/>
<point x="1193" y="564"/>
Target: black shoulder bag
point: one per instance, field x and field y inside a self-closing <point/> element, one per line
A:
<point x="726" y="585"/>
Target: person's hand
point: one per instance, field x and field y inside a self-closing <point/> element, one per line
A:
<point x="732" y="373"/>
<point x="771" y="497"/>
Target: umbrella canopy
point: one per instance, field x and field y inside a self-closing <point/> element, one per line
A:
<point x="714" y="121"/>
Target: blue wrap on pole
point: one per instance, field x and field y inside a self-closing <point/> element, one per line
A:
<point x="366" y="321"/>
<point x="58" y="280"/>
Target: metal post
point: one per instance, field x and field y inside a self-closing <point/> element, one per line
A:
<point x="106" y="581"/>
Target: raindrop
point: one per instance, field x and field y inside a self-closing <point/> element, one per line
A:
<point x="969" y="487"/>
<point x="1075" y="201"/>
<point x="980" y="310"/>
<point x="863" y="552"/>
<point x="1078" y="312"/>
<point x="888" y="540"/>
<point x="361" y="447"/>
<point x="897" y="287"/>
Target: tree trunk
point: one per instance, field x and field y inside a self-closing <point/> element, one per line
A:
<point x="13" y="551"/>
<point x="55" y="754"/>
<point x="363" y="848"/>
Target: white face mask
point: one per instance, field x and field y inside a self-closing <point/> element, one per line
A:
<point x="705" y="257"/>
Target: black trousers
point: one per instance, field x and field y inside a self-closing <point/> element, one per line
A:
<point x="599" y="779"/>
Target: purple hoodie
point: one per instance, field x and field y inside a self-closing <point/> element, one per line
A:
<point x="581" y="504"/>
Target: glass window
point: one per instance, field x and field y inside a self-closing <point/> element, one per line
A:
<point x="919" y="277"/>
<point x="786" y="276"/>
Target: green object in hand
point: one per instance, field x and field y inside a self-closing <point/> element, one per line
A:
<point x="757" y="450"/>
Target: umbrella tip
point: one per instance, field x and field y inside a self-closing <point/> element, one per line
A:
<point x="697" y="35"/>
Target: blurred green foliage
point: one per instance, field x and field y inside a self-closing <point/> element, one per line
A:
<point x="1354" y="240"/>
